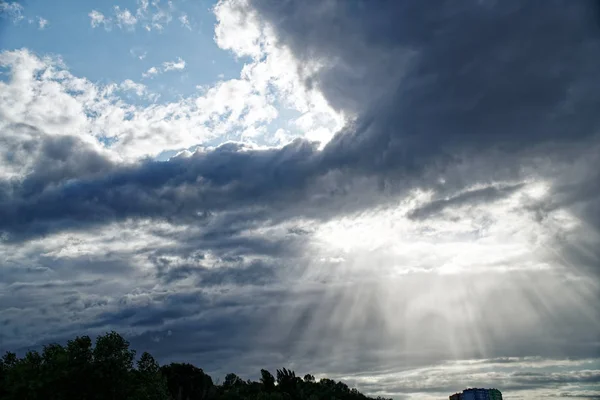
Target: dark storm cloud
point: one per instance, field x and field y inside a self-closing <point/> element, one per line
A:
<point x="429" y="76"/>
<point x="56" y="159"/>
<point x="182" y="190"/>
<point x="49" y="285"/>
<point x="436" y="85"/>
<point x="138" y="316"/>
<point x="236" y="273"/>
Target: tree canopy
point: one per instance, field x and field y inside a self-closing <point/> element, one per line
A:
<point x="108" y="370"/>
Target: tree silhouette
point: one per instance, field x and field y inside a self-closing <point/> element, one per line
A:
<point x="267" y="380"/>
<point x="186" y="382"/>
<point x="105" y="371"/>
<point x="113" y="364"/>
<point x="149" y="383"/>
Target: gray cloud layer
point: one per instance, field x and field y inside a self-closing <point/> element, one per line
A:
<point x="430" y="85"/>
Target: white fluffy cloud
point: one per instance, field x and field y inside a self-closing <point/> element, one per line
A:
<point x="152" y="71"/>
<point x="241" y="31"/>
<point x="240" y="107"/>
<point x="44" y="94"/>
<point x="273" y="74"/>
<point x="138" y="88"/>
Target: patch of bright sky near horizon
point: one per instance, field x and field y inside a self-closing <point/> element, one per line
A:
<point x="179" y="73"/>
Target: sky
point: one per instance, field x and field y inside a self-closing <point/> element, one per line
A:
<point x="401" y="195"/>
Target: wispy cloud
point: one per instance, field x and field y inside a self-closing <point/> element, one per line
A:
<point x="185" y="22"/>
<point x="138" y="53"/>
<point x="16" y="13"/>
<point x="42" y="23"/>
<point x="129" y="85"/>
<point x="153" y="71"/>
<point x="98" y="19"/>
<point x="151" y="15"/>
<point x="142" y="7"/>
<point x="177" y="65"/>
<point x="174" y="65"/>
<point x="12" y="11"/>
<point x="125" y="19"/>
<point x="159" y="18"/>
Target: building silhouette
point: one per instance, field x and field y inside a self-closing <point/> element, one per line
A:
<point x="477" y="394"/>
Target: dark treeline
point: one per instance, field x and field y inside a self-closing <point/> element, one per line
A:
<point x="108" y="370"/>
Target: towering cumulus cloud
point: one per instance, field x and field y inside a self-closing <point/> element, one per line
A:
<point x="448" y="235"/>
